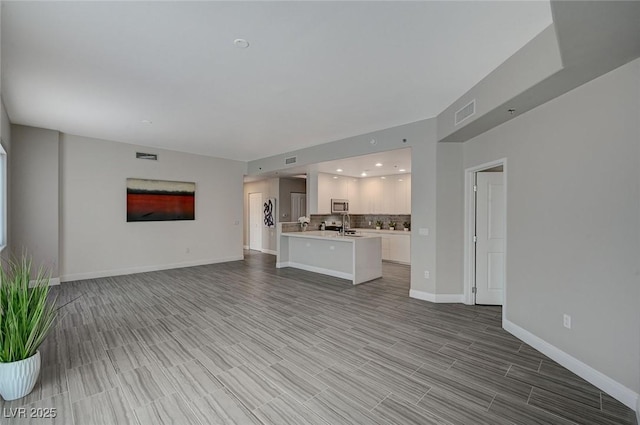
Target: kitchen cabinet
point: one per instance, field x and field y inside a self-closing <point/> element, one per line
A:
<point x="400" y="248"/>
<point x="396" y="246"/>
<point x="369" y="195"/>
<point x="330" y="188"/>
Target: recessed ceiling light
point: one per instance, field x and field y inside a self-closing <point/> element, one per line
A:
<point x="335" y="177"/>
<point x="383" y="177"/>
<point x="363" y="174"/>
<point x="402" y="170"/>
<point x="339" y="170"/>
<point x="399" y="180"/>
<point x="379" y="164"/>
<point x="241" y="43"/>
<point x="146" y="122"/>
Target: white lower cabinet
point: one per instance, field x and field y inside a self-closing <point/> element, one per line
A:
<point x="395" y="247"/>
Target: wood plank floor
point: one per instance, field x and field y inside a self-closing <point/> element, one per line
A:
<point x="245" y="343"/>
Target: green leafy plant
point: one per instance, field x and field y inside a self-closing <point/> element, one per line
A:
<point x="407" y="224"/>
<point x="392" y="224"/>
<point x="379" y="224"/>
<point x="27" y="313"/>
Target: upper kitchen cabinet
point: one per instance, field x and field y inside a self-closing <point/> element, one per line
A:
<point x="332" y="187"/>
<point x="370" y="195"/>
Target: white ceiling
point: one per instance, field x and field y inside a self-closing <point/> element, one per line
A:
<point x="314" y="72"/>
<point x="391" y="163"/>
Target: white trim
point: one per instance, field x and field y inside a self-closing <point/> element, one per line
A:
<point x="54" y="281"/>
<point x="329" y="272"/>
<point x="469" y="221"/>
<point x="626" y="396"/>
<point x="269" y="251"/>
<point x="436" y="298"/>
<point x="245" y="247"/>
<point x="144" y="269"/>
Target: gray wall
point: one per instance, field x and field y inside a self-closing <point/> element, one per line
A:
<point x="95" y="236"/>
<point x="68" y="206"/>
<point x="34" y="195"/>
<point x="572" y="220"/>
<point x="450" y="212"/>
<point x="287" y="186"/>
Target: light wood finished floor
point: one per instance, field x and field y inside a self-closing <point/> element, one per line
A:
<point x="244" y="343"/>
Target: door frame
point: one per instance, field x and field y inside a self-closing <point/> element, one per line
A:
<point x="469" y="230"/>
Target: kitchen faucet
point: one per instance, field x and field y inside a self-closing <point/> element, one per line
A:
<point x="346" y="223"/>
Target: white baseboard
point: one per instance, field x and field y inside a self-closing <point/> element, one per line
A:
<point x="269" y="251"/>
<point x="314" y="269"/>
<point x="54" y="281"/>
<point x="624" y="395"/>
<point x="436" y="298"/>
<point x="144" y="269"/>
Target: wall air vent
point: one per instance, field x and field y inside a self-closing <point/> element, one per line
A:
<point x="290" y="160"/>
<point x="151" y="156"/>
<point x="465" y="112"/>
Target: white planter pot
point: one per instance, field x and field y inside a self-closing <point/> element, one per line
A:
<point x="17" y="379"/>
<point x="392" y="228"/>
<point x="377" y="227"/>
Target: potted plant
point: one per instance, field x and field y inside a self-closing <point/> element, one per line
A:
<point x="407" y="226"/>
<point x="304" y="222"/>
<point x="27" y="314"/>
<point x="392" y="225"/>
<point x="378" y="225"/>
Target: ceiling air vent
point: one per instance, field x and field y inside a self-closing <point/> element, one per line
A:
<point x="151" y="156"/>
<point x="465" y="112"/>
<point x="291" y="160"/>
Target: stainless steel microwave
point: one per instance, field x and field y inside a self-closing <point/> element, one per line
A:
<point x="339" y="206"/>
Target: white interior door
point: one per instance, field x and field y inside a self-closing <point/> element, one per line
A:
<point x="298" y="205"/>
<point x="255" y="221"/>
<point x="490" y="235"/>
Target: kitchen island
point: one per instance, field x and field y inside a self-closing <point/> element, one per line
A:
<point x="354" y="257"/>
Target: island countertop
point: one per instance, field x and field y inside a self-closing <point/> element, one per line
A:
<point x="354" y="257"/>
<point x="327" y="234"/>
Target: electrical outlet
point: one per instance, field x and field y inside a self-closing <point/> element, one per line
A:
<point x="426" y="274"/>
<point x="566" y="321"/>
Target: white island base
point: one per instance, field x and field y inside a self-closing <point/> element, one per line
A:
<point x="356" y="258"/>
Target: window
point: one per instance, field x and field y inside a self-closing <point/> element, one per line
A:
<point x="3" y="197"/>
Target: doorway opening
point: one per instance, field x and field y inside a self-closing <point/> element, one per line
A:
<point x="486" y="234"/>
<point x="255" y="221"/>
<point x="298" y="205"/>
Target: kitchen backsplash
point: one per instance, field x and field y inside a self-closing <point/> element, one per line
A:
<point x="360" y="221"/>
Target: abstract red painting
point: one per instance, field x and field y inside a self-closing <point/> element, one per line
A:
<point x="160" y="200"/>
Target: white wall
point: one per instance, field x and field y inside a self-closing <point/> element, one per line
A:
<point x="573" y="240"/>
<point x="270" y="188"/>
<point x="95" y="236"/>
<point x="34" y="195"/>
